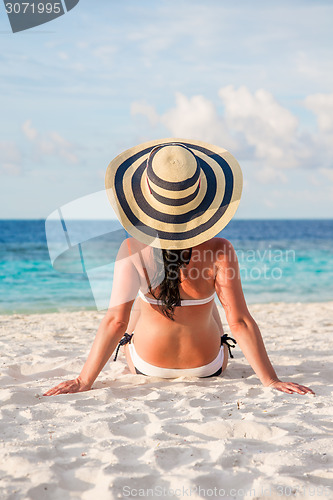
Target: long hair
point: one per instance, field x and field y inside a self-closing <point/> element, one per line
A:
<point x="168" y="294"/>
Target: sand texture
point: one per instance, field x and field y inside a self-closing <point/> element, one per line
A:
<point x="139" y="437"/>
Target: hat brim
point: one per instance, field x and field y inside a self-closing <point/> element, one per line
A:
<point x="167" y="226"/>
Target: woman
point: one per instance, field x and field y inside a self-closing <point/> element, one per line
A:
<point x="173" y="197"/>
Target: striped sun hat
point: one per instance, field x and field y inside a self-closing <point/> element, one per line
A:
<point x="174" y="193"/>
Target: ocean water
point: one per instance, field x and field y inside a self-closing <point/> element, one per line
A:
<point x="46" y="269"/>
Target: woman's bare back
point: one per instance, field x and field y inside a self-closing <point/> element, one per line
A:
<point x="193" y="338"/>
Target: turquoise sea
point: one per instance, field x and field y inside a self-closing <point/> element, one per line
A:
<point x="280" y="261"/>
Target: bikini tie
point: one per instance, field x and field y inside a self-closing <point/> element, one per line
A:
<point x="124" y="340"/>
<point x="224" y="340"/>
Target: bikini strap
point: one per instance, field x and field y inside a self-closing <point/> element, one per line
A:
<point x="224" y="340"/>
<point x="128" y="246"/>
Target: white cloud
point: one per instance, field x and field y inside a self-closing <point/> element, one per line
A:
<point x="241" y="105"/>
<point x="63" y="56"/>
<point x="145" y="109"/>
<point x="28" y="130"/>
<point x="190" y="118"/>
<point x="11" y="168"/>
<point x="322" y="106"/>
<point x="328" y="173"/>
<point x="268" y="203"/>
<point x="253" y="126"/>
<point x="269" y="175"/>
<point x="82" y="45"/>
<point x="77" y="66"/>
<point x="197" y="118"/>
<point x="266" y="125"/>
<point x="322" y="140"/>
<point x="10" y="158"/>
<point x="49" y="143"/>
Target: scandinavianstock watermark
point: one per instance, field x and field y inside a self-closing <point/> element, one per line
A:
<point x="278" y="490"/>
<point x="26" y="14"/>
<point x="254" y="264"/>
<point x="96" y="249"/>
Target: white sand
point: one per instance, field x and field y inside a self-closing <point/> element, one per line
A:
<point x="134" y="432"/>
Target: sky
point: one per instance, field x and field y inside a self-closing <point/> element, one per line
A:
<point x="253" y="77"/>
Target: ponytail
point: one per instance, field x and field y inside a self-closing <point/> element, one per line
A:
<point x="168" y="294"/>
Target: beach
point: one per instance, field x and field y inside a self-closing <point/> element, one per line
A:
<point x="166" y="154"/>
<point x="135" y="436"/>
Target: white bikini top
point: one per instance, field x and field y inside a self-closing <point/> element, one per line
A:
<point x="184" y="302"/>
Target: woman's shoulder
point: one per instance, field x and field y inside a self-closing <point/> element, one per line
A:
<point x="216" y="251"/>
<point x="216" y="245"/>
<point x="133" y="246"/>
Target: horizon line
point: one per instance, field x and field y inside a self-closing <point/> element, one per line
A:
<point x="235" y="219"/>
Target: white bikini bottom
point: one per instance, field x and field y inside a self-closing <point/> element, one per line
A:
<point x="156" y="371"/>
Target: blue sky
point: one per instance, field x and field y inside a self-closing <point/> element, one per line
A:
<point x="253" y="77"/>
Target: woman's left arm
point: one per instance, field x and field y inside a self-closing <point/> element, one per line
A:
<point x="242" y="325"/>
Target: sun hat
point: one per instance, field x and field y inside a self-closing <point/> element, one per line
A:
<point x="174" y="193"/>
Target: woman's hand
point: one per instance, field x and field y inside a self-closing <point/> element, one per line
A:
<point x="290" y="387"/>
<point x="68" y="387"/>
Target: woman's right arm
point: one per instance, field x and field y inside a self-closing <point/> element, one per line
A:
<point x="126" y="283"/>
<point x="242" y="325"/>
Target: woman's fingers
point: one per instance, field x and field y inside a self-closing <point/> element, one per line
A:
<point x="68" y="387"/>
<point x="51" y="392"/>
<point x="64" y="388"/>
<point x="292" y="387"/>
<point x="56" y="391"/>
<point x="302" y="389"/>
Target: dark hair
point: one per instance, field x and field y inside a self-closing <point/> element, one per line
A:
<point x="168" y="293"/>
